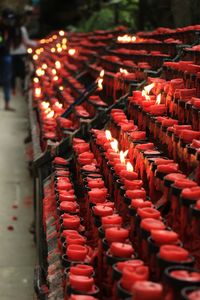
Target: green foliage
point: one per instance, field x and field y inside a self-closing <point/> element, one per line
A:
<point x="105" y="18"/>
<point x="102" y="19"/>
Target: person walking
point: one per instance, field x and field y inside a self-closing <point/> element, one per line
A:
<point x="20" y="43"/>
<point x="6" y="24"/>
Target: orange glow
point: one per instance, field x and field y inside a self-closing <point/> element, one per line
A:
<point x="54" y="37"/>
<point x="102" y="73"/>
<point x="55" y="78"/>
<point x="45" y="105"/>
<point x="54" y="72"/>
<point x="158" y="99"/>
<point x="30" y="50"/>
<point x="50" y="114"/>
<point x="35" y="57"/>
<point x="100" y="83"/>
<point x="59" y="49"/>
<point x="123" y="71"/>
<point x="129" y="167"/>
<point x="61" y="88"/>
<point x="148" y="88"/>
<point x="37" y="92"/>
<point x="114" y="145"/>
<point x="126" y="39"/>
<point x="71" y="51"/>
<point x="44" y="66"/>
<point x="35" y="79"/>
<point x="53" y="50"/>
<point x="58" y="104"/>
<point x="39" y="72"/>
<point x="108" y="135"/>
<point x="64" y="47"/>
<point x="64" y="41"/>
<point x="122" y="158"/>
<point x="61" y="33"/>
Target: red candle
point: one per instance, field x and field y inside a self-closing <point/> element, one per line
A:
<point x="147" y="290"/>
<point x="68" y="206"/>
<point x="116" y="234"/>
<point x="81" y="283"/>
<point x="121" y="250"/>
<point x="60" y="161"/>
<point x="136" y="203"/>
<point x="71" y="222"/>
<point x="164" y="236"/>
<point x="112" y="220"/>
<point x="75" y="239"/>
<point x="132" y="263"/>
<point x="131" y="275"/>
<point x="97" y="195"/>
<point x="103" y="210"/>
<point x="173" y="253"/>
<point x="128" y="175"/>
<point x="84" y="270"/>
<point x="76" y="252"/>
<point x="150" y="224"/>
<point x="133" y="184"/>
<point x="136" y="194"/>
<point x="67" y="197"/>
<point x="96" y="183"/>
<point x="185" y="275"/>
<point x="148" y="212"/>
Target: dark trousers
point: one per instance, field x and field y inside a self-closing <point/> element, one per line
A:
<point x="18" y="69"/>
<point x="6" y="75"/>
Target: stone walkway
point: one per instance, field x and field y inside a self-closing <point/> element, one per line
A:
<point x="17" y="249"/>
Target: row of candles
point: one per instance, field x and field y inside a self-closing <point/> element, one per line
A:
<point x="111" y="227"/>
<point x="55" y="89"/>
<point x="97" y="202"/>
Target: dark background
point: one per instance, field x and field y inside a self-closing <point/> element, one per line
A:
<point x="88" y="15"/>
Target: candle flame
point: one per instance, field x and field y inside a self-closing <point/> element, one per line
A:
<point x="144" y="94"/>
<point x="108" y="135"/>
<point x="71" y="52"/>
<point x="50" y="114"/>
<point x="148" y="88"/>
<point x="59" y="49"/>
<point x="100" y="83"/>
<point x="54" y="72"/>
<point x="30" y="50"/>
<point x="129" y="167"/>
<point x="45" y="104"/>
<point x="123" y="71"/>
<point x="64" y="41"/>
<point x="61" y="33"/>
<point x="122" y="158"/>
<point x="158" y="99"/>
<point x="44" y="66"/>
<point x="114" y="145"/>
<point x="38" y="92"/>
<point x="35" y="79"/>
<point x="57" y="64"/>
<point x="55" y="78"/>
<point x="39" y="72"/>
<point x="58" y="104"/>
<point x="126" y="38"/>
<point x="35" y="57"/>
<point x="102" y="73"/>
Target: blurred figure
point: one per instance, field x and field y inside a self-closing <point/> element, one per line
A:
<point x="19" y="44"/>
<point x="6" y="24"/>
